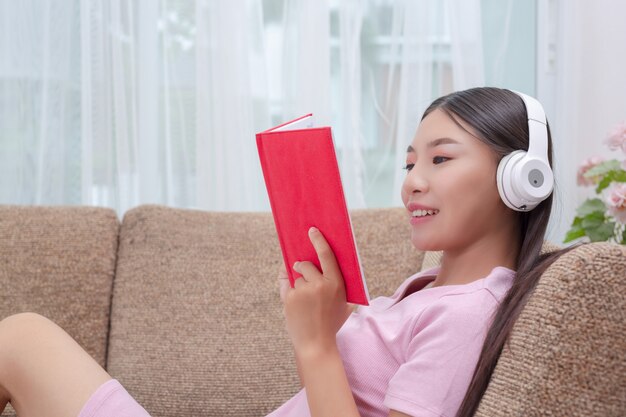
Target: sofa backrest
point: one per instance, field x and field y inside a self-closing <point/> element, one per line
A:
<point x="197" y="328"/>
<point x="59" y="262"/>
<point x="196" y="322"/>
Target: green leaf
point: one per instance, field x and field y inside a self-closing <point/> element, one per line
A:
<point x="575" y="232"/>
<point x="601" y="233"/>
<point x="603" y="168"/>
<point x="591" y="206"/>
<point x="611" y="176"/>
<point x="604" y="182"/>
<point x="593" y="220"/>
<point x="619" y="176"/>
<point x="597" y="227"/>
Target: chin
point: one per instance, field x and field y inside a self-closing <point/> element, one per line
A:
<point x="426" y="245"/>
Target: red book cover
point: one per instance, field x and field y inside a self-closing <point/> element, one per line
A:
<point x="304" y="186"/>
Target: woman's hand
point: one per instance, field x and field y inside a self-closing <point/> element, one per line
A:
<point x="316" y="308"/>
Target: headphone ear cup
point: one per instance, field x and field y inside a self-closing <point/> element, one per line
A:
<point x="523" y="181"/>
<point x="505" y="178"/>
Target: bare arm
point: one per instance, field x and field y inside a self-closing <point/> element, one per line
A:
<point x="315" y="310"/>
<point x="283" y="287"/>
<point x="327" y="388"/>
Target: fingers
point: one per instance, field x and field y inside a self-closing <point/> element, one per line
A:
<point x="299" y="282"/>
<point x="328" y="262"/>
<point x="308" y="271"/>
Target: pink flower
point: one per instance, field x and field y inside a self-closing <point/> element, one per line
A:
<point x="586" y="165"/>
<point x="616" y="201"/>
<point x="617" y="138"/>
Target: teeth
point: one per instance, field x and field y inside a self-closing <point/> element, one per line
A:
<point x="422" y="213"/>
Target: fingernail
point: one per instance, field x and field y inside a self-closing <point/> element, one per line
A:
<point x="312" y="230"/>
<point x="295" y="266"/>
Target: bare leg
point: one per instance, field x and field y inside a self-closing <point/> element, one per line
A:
<point x="43" y="371"/>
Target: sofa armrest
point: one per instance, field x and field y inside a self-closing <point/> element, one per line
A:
<point x="566" y="352"/>
<point x="59" y="262"/>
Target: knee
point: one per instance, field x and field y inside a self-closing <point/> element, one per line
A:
<point x="21" y="326"/>
<point x="19" y="332"/>
<point x="21" y="323"/>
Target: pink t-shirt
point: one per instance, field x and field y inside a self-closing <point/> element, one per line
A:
<point x="415" y="353"/>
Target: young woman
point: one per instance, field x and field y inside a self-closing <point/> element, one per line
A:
<point x="428" y="350"/>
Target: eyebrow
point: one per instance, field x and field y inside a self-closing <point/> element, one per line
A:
<point x="436" y="142"/>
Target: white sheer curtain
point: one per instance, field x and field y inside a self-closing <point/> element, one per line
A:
<point x="109" y="104"/>
<point x="231" y="104"/>
<point x="439" y="50"/>
<point x="39" y="102"/>
<point x="305" y="53"/>
<point x="170" y="102"/>
<point x="119" y="103"/>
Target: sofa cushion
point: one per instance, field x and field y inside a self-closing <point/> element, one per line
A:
<point x="566" y="351"/>
<point x="197" y="326"/>
<point x="60" y="262"/>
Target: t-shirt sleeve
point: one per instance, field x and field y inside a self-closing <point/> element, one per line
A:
<point x="443" y="351"/>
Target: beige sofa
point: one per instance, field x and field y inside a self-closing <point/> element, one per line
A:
<point x="182" y="307"/>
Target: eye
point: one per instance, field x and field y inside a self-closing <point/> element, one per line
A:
<point x="408" y="167"/>
<point x="439" y="159"/>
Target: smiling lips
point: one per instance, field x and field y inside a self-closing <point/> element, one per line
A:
<point x="423" y="213"/>
<point x="420" y="213"/>
<point x="419" y="210"/>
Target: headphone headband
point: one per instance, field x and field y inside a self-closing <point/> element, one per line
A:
<point x="537" y="127"/>
<point x="525" y="178"/>
<point x="534" y="109"/>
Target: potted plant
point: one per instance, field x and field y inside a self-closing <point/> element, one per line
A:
<point x="603" y="218"/>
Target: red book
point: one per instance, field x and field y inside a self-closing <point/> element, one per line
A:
<point x="304" y="187"/>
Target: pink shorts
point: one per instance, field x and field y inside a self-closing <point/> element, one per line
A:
<point x="112" y="400"/>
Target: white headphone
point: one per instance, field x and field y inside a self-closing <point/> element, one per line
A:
<point x="525" y="178"/>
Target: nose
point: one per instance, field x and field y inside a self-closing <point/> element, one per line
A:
<point x="415" y="181"/>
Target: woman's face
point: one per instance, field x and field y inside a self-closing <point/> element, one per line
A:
<point x="452" y="174"/>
